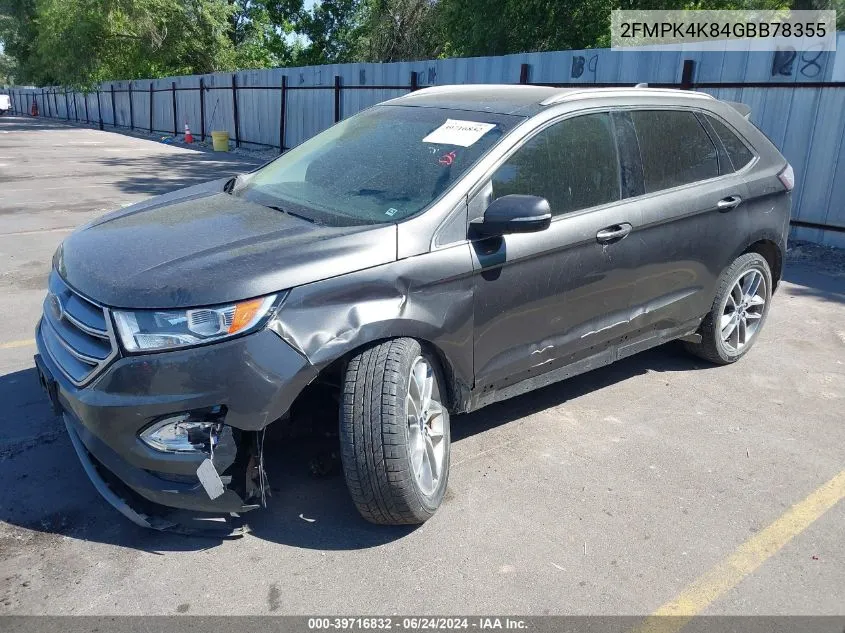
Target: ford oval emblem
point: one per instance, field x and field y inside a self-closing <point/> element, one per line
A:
<point x="56" y="307"/>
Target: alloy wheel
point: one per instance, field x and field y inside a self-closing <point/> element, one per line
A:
<point x="426" y="444"/>
<point x="743" y="311"/>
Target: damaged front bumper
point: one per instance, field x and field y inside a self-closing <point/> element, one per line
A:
<point x="253" y="380"/>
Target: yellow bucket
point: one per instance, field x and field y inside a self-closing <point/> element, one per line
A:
<point x="220" y="141"/>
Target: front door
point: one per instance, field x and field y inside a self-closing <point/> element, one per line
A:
<point x="546" y="299"/>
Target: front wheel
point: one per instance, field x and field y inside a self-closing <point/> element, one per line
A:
<point x="738" y="313"/>
<point x="394" y="433"/>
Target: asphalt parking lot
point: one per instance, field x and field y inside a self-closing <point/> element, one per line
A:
<point x="656" y="482"/>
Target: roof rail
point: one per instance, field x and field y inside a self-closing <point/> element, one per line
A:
<point x="456" y="88"/>
<point x="572" y="95"/>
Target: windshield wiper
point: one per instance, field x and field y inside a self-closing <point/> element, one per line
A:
<point x="296" y="215"/>
<point x="229" y="187"/>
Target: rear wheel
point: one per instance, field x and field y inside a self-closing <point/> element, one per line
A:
<point x="394" y="433"/>
<point x="738" y="313"/>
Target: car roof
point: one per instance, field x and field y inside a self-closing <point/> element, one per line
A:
<point x="523" y="99"/>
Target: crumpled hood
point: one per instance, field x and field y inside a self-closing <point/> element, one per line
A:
<point x="199" y="246"/>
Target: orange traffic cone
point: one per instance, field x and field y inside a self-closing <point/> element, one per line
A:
<point x="33" y="111"/>
<point x="189" y="138"/>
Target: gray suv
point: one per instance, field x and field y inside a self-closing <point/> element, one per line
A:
<point x="424" y="258"/>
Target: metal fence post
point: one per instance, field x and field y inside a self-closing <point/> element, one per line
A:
<point x="67" y="105"/>
<point x="202" y="109"/>
<point x="55" y="103"/>
<point x="131" y="109"/>
<point x="151" y="107"/>
<point x="99" y="108"/>
<point x="75" y="107"/>
<point x="175" y="117"/>
<point x="87" y="116"/>
<point x="336" y="98"/>
<point x="235" y="110"/>
<point x="283" y="110"/>
<point x="113" y="109"/>
<point x="523" y="73"/>
<point x="686" y="74"/>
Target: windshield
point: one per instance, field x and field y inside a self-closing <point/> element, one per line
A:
<point x="382" y="165"/>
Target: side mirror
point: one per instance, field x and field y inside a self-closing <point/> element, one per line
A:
<point x="515" y="213"/>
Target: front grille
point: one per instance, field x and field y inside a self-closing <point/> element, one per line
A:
<point x="77" y="333"/>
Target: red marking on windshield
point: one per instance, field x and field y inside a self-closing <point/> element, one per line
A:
<point x="448" y="159"/>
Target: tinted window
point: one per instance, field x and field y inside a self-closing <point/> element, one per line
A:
<point x="631" y="168"/>
<point x="739" y="154"/>
<point x="674" y="147"/>
<point x="572" y="164"/>
<point x="381" y="165"/>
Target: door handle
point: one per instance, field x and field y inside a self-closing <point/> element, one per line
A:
<point x="726" y="204"/>
<point x="613" y="233"/>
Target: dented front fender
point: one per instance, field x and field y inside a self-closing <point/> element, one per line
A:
<point x="428" y="297"/>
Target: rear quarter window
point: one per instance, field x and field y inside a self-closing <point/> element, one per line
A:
<point x="674" y="147"/>
<point x="737" y="151"/>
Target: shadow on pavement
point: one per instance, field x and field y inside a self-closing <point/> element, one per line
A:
<point x="44" y="486"/>
<point x="147" y="170"/>
<point x="17" y="123"/>
<point x="46" y="489"/>
<point x="828" y="285"/>
<point x="161" y="173"/>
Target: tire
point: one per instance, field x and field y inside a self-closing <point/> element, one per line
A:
<point x="725" y="317"/>
<point x="381" y="439"/>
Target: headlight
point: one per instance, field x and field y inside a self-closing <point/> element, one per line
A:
<point x="142" y="330"/>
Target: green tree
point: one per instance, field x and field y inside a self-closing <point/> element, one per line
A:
<point x="7" y="70"/>
<point x="331" y="30"/>
<point x="397" y="30"/>
<point x="498" y="27"/>
<point x="18" y="33"/>
<point x="80" y="42"/>
<point x="261" y="30"/>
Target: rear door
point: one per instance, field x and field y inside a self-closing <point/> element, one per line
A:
<point x="545" y="299"/>
<point x="692" y="219"/>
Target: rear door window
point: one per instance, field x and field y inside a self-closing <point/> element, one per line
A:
<point x="674" y="147"/>
<point x="573" y="164"/>
<point x="737" y="151"/>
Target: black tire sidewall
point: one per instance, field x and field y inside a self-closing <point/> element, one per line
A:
<point x="374" y="434"/>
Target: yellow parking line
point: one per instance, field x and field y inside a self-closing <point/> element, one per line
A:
<point x="745" y="559"/>
<point x="22" y="343"/>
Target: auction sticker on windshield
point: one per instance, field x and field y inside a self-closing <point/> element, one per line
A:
<point x="457" y="132"/>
